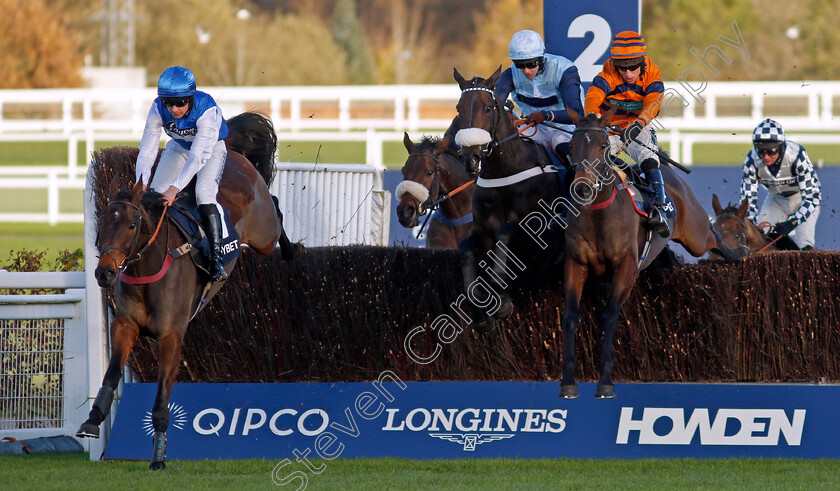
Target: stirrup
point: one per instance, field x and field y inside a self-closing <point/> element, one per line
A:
<point x="217" y="271"/>
<point x="659" y="223"/>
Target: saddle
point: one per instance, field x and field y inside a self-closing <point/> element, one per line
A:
<point x="640" y="189"/>
<point x="185" y="216"/>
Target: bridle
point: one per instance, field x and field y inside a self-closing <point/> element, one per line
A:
<point x="743" y="241"/>
<point x="598" y="183"/>
<point x="128" y="260"/>
<point x="488" y="147"/>
<point x="434" y="189"/>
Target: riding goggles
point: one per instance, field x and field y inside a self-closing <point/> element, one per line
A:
<point x="521" y="64"/>
<point x="767" y="151"/>
<point x="175" y="101"/>
<point x="628" y="68"/>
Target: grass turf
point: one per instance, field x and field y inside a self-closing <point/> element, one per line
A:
<point x="75" y="471"/>
<point x="39" y="237"/>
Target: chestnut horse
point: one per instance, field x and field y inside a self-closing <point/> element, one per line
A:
<point x="433" y="171"/>
<point x="607" y="240"/>
<point x="517" y="203"/>
<point x="156" y="289"/>
<point x="741" y="234"/>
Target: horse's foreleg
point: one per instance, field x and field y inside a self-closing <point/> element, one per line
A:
<point x="505" y="264"/>
<point x="467" y="249"/>
<point x="169" y="355"/>
<point x="622" y="284"/>
<point x="574" y="278"/>
<point x="124" y="334"/>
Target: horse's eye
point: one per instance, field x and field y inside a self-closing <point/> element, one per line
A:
<point x="430" y="172"/>
<point x="489" y="108"/>
<point x="132" y="226"/>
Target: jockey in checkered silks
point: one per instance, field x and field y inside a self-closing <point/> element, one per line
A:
<point x="783" y="167"/>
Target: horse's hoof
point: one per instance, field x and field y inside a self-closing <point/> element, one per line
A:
<point x="605" y="391"/>
<point x="506" y="309"/>
<point x="88" y="430"/>
<point x="484" y="326"/>
<point x="157" y="466"/>
<point x="568" y="391"/>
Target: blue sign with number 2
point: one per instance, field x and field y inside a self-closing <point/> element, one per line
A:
<point x="582" y="31"/>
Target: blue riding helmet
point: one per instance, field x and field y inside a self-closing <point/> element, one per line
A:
<point x="526" y="45"/>
<point x="176" y="81"/>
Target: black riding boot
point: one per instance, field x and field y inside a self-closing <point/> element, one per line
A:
<point x="663" y="207"/>
<point x="213" y="228"/>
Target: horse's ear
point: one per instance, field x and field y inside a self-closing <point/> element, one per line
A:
<point x="575" y="116"/>
<point x="409" y="145"/>
<point x="716" y="205"/>
<point x="491" y="82"/>
<point x="137" y="192"/>
<point x="743" y="208"/>
<point x="607" y="116"/>
<point x="461" y="81"/>
<point x="440" y="146"/>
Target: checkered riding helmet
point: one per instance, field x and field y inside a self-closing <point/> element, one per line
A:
<point x="768" y="134"/>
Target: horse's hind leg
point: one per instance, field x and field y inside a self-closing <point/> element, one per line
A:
<point x="622" y="284"/>
<point x="573" y="281"/>
<point x="169" y="354"/>
<point x="124" y="334"/>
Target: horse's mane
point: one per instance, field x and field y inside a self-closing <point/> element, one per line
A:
<point x="730" y="209"/>
<point x="427" y="142"/>
<point x="590" y="120"/>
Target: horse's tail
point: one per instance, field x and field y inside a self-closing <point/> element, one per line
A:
<point x="252" y="134"/>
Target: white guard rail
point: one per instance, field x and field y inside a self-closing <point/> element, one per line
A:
<point x="333" y="204"/>
<point x="47" y="369"/>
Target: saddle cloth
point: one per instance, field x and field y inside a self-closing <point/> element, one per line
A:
<point x="185" y="216"/>
<point x="642" y="192"/>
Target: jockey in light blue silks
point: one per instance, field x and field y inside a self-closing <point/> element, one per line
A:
<point x="196" y="149"/>
<point x="543" y="86"/>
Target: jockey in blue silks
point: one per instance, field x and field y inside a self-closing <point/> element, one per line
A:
<point x="543" y="86"/>
<point x="197" y="130"/>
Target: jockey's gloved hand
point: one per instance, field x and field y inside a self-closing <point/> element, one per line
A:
<point x="632" y="131"/>
<point x="786" y="227"/>
<point x="536" y="118"/>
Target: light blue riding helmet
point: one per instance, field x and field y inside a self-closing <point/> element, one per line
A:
<point x="526" y="45"/>
<point x="176" y="81"/>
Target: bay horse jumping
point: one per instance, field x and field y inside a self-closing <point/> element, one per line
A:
<point x="516" y="203"/>
<point x="156" y="290"/>
<point x="433" y="171"/>
<point x="741" y="234"/>
<point x="607" y="239"/>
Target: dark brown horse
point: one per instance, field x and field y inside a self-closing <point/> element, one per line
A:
<point x="434" y="170"/>
<point x="607" y="239"/>
<point x="157" y="291"/>
<point x="517" y="203"/>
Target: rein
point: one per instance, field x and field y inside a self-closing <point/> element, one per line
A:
<point x="440" y="200"/>
<point x="128" y="260"/>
